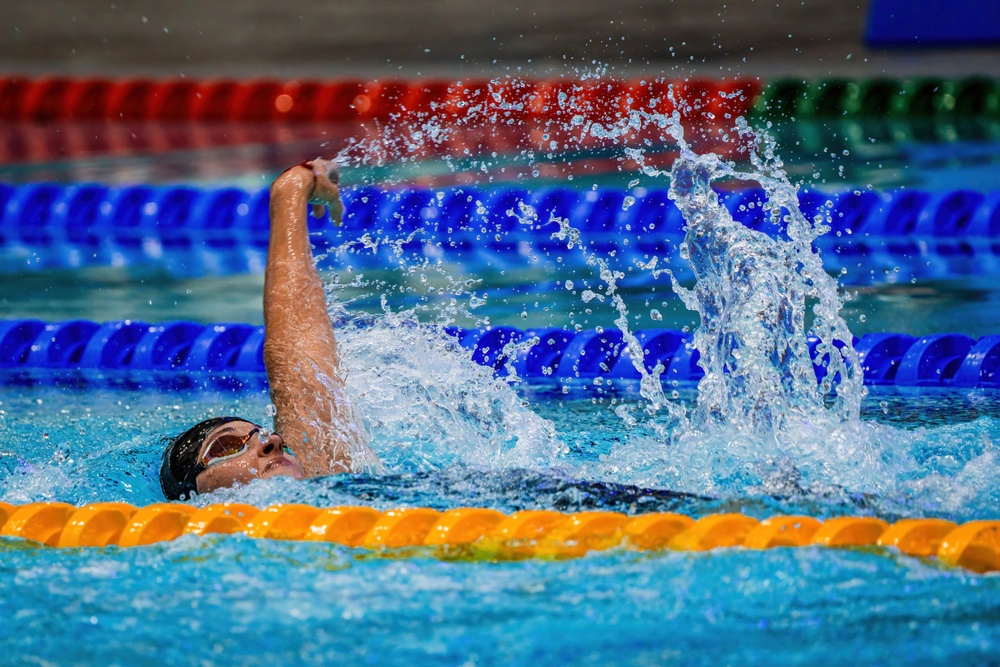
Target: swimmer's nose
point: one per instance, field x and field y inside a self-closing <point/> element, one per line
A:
<point x="270" y="446"/>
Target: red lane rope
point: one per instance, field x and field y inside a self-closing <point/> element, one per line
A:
<point x="502" y="99"/>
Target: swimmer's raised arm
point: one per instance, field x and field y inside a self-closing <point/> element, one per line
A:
<point x="315" y="420"/>
<point x="314" y="414"/>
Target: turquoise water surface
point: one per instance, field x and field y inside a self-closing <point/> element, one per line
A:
<point x="219" y="600"/>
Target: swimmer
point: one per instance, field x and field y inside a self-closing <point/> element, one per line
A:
<point x="316" y="429"/>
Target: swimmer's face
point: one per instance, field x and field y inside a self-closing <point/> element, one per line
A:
<point x="251" y="457"/>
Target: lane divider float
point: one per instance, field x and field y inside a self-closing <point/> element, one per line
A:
<point x="177" y="216"/>
<point x="224" y="231"/>
<point x="134" y="354"/>
<point x="504" y="98"/>
<point x="486" y="534"/>
<point x="498" y="100"/>
<point x="883" y="97"/>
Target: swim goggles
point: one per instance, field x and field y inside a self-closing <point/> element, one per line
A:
<point x="230" y="445"/>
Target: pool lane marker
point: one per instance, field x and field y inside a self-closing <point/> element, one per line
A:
<point x="500" y="100"/>
<point x="179" y="354"/>
<point x="497" y="101"/>
<point x="483" y="534"/>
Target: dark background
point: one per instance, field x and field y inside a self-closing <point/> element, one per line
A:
<point x="428" y="37"/>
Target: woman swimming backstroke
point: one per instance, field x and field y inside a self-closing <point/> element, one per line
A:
<point x="316" y="429"/>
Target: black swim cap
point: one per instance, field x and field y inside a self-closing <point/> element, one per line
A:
<point x="181" y="464"/>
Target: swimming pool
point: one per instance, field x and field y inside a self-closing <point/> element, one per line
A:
<point x="452" y="435"/>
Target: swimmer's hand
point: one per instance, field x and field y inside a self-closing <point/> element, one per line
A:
<point x="325" y="189"/>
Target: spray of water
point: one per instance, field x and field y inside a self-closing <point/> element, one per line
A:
<point x="761" y="417"/>
<point x="431" y="408"/>
<point x="752" y="291"/>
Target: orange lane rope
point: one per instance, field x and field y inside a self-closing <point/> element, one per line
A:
<point x="486" y="534"/>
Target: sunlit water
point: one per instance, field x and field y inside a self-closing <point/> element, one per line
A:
<point x="757" y="436"/>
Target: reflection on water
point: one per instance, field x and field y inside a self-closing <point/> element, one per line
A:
<point x="832" y="154"/>
<point x="106" y="293"/>
<point x="968" y="305"/>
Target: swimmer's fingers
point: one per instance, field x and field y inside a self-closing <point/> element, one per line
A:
<point x="336" y="211"/>
<point x="326" y="191"/>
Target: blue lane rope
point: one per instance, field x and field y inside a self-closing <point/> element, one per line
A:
<point x="224" y="230"/>
<point x="186" y="354"/>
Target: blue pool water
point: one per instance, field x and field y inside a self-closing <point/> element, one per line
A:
<point x="217" y="600"/>
<point x="452" y="435"/>
<point x="226" y="600"/>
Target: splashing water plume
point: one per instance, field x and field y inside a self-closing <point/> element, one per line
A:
<point x="761" y="417"/>
<point x="752" y="291"/>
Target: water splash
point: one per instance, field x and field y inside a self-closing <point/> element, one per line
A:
<point x="762" y="419"/>
<point x="429" y="406"/>
<point x="752" y="292"/>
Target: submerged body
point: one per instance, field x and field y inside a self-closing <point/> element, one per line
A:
<point x="316" y="429"/>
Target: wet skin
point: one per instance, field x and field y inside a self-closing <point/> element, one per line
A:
<point x="301" y="354"/>
<point x="261" y="459"/>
